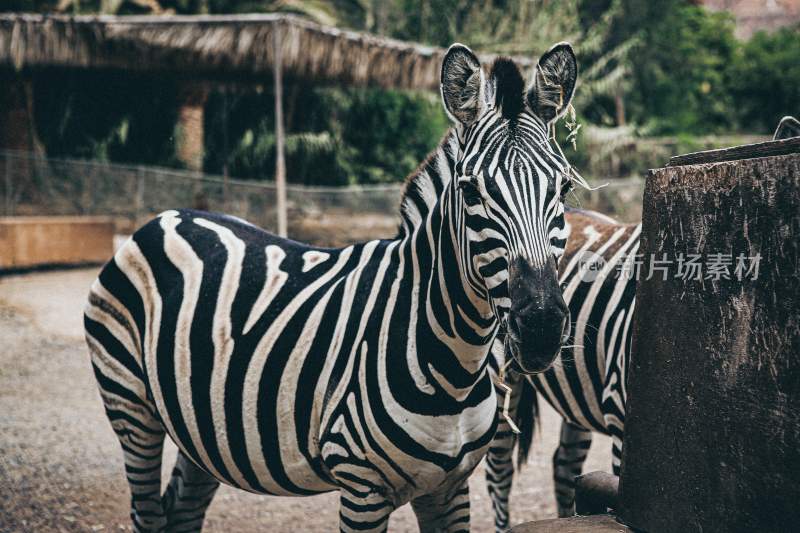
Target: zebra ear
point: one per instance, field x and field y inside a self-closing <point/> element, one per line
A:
<point x="462" y="84"/>
<point x="553" y="82"/>
<point x="788" y="127"/>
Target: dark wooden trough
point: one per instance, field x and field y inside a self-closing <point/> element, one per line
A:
<point x="712" y="435"/>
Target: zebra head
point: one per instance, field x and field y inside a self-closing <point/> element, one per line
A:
<point x="508" y="192"/>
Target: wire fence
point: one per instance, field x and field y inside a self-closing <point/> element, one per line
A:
<point x="34" y="185"/>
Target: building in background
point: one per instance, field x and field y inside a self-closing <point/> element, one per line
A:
<point x="754" y="15"/>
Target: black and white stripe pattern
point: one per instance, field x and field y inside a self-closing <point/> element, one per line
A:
<point x="285" y="369"/>
<point x="586" y="384"/>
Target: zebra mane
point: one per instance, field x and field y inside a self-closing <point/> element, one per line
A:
<point x="424" y="186"/>
<point x="508" y="85"/>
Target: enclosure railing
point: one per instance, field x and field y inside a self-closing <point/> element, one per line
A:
<point x="35" y="185"/>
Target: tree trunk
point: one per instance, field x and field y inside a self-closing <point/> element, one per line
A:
<point x="712" y="434"/>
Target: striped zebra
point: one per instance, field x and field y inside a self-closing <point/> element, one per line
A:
<point x="284" y="369"/>
<point x="586" y="384"/>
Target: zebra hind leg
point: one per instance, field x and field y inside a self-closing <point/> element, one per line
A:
<point x="188" y="496"/>
<point x="568" y="462"/>
<point x="139" y="431"/>
<point x="363" y="511"/>
<point x="444" y="513"/>
<point x="142" y="439"/>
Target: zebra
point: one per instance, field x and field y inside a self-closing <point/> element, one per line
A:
<point x="587" y="384"/>
<point x="285" y="369"/>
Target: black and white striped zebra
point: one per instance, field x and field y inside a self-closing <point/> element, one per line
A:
<point x="586" y="385"/>
<point x="284" y="369"/>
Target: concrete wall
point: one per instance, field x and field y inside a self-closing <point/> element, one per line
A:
<point x="35" y="241"/>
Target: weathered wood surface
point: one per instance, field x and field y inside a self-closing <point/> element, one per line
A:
<point x="712" y="432"/>
<point x="575" y="524"/>
<point x="747" y="151"/>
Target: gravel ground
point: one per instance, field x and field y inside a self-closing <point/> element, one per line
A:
<point x="61" y="466"/>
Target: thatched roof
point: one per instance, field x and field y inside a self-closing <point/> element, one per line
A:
<point x="238" y="47"/>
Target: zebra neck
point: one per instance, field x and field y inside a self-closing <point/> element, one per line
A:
<point x="455" y="323"/>
<point x="425" y="186"/>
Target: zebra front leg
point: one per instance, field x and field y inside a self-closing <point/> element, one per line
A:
<point x="500" y="473"/>
<point x="188" y="496"/>
<point x="447" y="512"/>
<point x="361" y="512"/>
<point x="568" y="462"/>
<point x="499" y="462"/>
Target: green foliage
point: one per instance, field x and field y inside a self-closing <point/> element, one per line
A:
<point x="682" y="72"/>
<point x="335" y="136"/>
<point x="390" y="131"/>
<point x="766" y="79"/>
<point x="648" y="67"/>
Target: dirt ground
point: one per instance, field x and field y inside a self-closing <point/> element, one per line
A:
<point x="61" y="466"/>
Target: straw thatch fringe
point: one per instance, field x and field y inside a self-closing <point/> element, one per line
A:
<point x="218" y="47"/>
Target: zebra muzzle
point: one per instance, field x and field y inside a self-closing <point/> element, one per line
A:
<point x="538" y="322"/>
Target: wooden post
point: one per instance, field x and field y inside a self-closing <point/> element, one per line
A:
<point x="192" y="98"/>
<point x="17" y="124"/>
<point x="225" y="150"/>
<point x="139" y="199"/>
<point x="712" y="431"/>
<point x="619" y="108"/>
<point x="18" y="132"/>
<point x="9" y="203"/>
<point x="280" y="164"/>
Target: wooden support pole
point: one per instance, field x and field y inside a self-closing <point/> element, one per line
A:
<point x="280" y="164"/>
<point x="17" y="124"/>
<point x="192" y="98"/>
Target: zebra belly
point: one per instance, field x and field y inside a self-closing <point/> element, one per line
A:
<point x="262" y="477"/>
<point x="237" y="424"/>
<point x="237" y="330"/>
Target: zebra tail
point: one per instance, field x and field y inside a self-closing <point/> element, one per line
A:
<point x="527" y="419"/>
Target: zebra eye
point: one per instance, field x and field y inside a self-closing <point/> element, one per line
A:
<point x="470" y="192"/>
